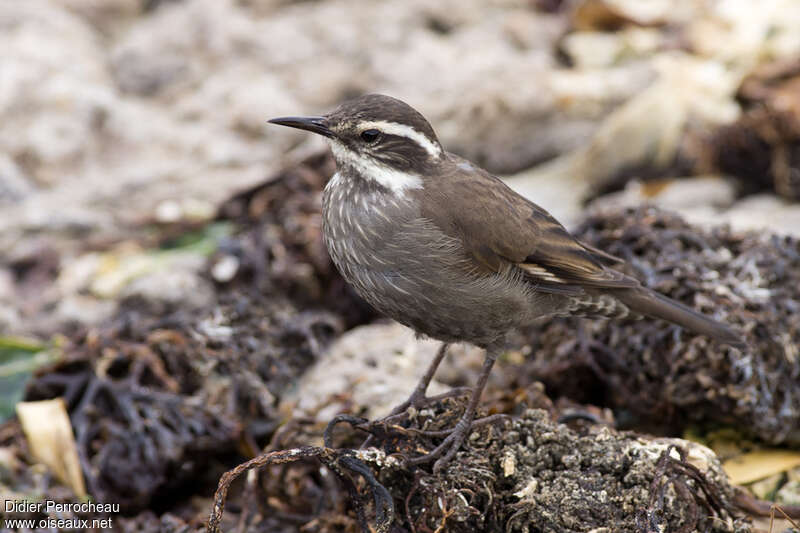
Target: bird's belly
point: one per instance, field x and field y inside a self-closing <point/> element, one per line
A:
<point x="433" y="290"/>
<point x="411" y="271"/>
<point x="452" y="309"/>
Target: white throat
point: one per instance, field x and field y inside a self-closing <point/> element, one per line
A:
<point x="396" y="181"/>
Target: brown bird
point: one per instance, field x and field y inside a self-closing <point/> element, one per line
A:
<point x="442" y="246"/>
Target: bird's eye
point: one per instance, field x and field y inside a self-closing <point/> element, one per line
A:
<point x="370" y="136"/>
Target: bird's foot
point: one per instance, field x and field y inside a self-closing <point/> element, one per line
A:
<point x="454" y="438"/>
<point x="417" y="401"/>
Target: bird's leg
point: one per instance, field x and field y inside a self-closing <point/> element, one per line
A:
<point x="418" y="398"/>
<point x="448" y="448"/>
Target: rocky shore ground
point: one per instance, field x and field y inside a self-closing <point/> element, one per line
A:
<point x="162" y="269"/>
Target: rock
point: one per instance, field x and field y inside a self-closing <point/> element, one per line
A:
<point x="758" y="212"/>
<point x="687" y="89"/>
<point x="593" y="49"/>
<point x="556" y="112"/>
<point x="179" y="284"/>
<point x="738" y="33"/>
<point x="764" y="211"/>
<point x="679" y="195"/>
<point x="614" y="14"/>
<point x="75" y="309"/>
<point x="54" y="93"/>
<point x="565" y="480"/>
<point x="132" y="114"/>
<point x="706" y="201"/>
<point x="14" y="185"/>
<point x="534" y="473"/>
<point x="378" y="366"/>
<point x="88" y="288"/>
<point x="109" y="16"/>
<point x="225" y="268"/>
<point x="789" y="494"/>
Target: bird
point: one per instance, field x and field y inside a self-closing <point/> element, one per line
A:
<point x="442" y="246"/>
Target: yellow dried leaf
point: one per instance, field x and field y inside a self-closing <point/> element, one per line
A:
<point x="49" y="433"/>
<point x="759" y="464"/>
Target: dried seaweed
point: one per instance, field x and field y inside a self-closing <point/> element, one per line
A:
<point x="676" y="474"/>
<point x="161" y="402"/>
<point x="154" y="400"/>
<point x="763" y="146"/>
<point x="659" y="376"/>
<point x="341" y="462"/>
<point x="533" y="474"/>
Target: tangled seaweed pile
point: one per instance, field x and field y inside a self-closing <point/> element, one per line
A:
<point x="653" y="372"/>
<point x="161" y="406"/>
<point x="163" y="403"/>
<point x="762" y="147"/>
<point x="529" y="474"/>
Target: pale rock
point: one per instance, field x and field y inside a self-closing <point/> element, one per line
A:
<point x="77" y="309"/>
<point x="593" y="49"/>
<point x="168" y="211"/>
<point x="789" y="493"/>
<point x="225" y="268"/>
<point x="179" y="284"/>
<point x="52" y="92"/>
<point x="681" y="195"/>
<point x="687" y="88"/>
<point x="710" y="201"/>
<point x="741" y="33"/>
<point x="14" y="185"/>
<point x="109" y="16"/>
<point x="197" y="210"/>
<point x="77" y="273"/>
<point x="379" y="365"/>
<point x="763" y="211"/>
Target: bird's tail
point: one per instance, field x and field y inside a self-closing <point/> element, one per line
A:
<point x="653" y="304"/>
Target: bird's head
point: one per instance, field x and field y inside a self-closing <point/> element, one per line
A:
<point x="379" y="138"/>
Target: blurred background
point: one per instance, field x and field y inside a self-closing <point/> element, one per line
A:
<point x="120" y="113"/>
<point x="149" y="216"/>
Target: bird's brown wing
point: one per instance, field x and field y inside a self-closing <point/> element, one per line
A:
<point x="603" y="257"/>
<point x="500" y="227"/>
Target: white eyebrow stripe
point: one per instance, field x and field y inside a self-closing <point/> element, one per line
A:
<point x="403" y="130"/>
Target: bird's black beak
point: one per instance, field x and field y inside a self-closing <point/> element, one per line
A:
<point x="315" y="124"/>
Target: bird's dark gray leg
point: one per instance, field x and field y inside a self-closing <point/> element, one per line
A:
<point x="448" y="448"/>
<point x="418" y="398"/>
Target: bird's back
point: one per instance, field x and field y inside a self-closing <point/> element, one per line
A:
<point x="465" y="258"/>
